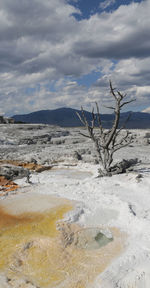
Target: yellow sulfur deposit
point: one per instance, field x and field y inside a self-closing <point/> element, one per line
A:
<point x="34" y="251"/>
<point x="16" y="229"/>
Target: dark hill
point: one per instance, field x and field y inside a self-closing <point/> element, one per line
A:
<point x="66" y="117"/>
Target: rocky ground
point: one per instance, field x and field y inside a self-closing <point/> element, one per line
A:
<point x="56" y="161"/>
<point x="49" y="145"/>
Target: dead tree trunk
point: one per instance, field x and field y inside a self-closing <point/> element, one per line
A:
<point x="107" y="142"/>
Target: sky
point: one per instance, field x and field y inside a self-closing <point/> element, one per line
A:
<point x="62" y="53"/>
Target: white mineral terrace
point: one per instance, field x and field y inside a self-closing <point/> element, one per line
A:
<point x="70" y="229"/>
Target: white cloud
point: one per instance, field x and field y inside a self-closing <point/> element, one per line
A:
<point x="119" y="35"/>
<point x="41" y="43"/>
<point x="147" y="110"/>
<point x="130" y="76"/>
<point x="105" y="4"/>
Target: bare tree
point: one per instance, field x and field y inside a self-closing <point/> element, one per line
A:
<point x="107" y="142"/>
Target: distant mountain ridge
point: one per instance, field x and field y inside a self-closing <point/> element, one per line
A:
<point x="67" y="117"/>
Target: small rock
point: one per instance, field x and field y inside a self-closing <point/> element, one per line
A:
<point x="138" y="177"/>
<point x="77" y="156"/>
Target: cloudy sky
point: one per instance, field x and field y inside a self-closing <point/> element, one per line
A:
<point x="62" y="53"/>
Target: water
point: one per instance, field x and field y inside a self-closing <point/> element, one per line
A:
<point x="91" y="239"/>
<point x="70" y="173"/>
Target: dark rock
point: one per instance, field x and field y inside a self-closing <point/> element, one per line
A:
<point x="57" y="141"/>
<point x="119" y="168"/>
<point x="139" y="177"/>
<point x="77" y="156"/>
<point x="147" y="135"/>
<point x="124" y="166"/>
<point x="41" y="139"/>
<point x="13" y="172"/>
<point x="6" y="120"/>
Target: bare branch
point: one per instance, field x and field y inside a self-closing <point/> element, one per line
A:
<point x="108" y="142"/>
<point x="84" y="117"/>
<point x="124" y="124"/>
<point x="122" y="146"/>
<point x="121" y="141"/>
<point x="127" y="102"/>
<point x="84" y="135"/>
<point x="121" y="95"/>
<point x="99" y="119"/>
<point x="80" y="118"/>
<point x="119" y="130"/>
<point x="112" y="90"/>
<point x="125" y="141"/>
<point x="93" y="119"/>
<point x="113" y="108"/>
<point x="115" y="125"/>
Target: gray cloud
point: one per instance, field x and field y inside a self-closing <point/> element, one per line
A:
<point x="41" y="42"/>
<point x="30" y="28"/>
<point x="131" y="77"/>
<point x="135" y="45"/>
<point x="119" y="35"/>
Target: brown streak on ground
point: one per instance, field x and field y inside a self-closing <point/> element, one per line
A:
<point x="7" y="186"/>
<point x="29" y="165"/>
<point x="9" y="220"/>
